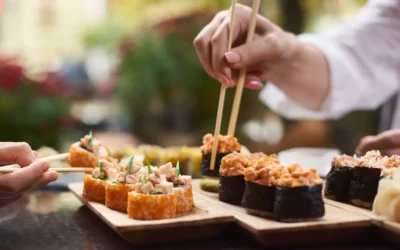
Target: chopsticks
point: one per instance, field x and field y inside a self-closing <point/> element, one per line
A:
<point x="240" y="85"/>
<point x="242" y="74"/>
<point x="59" y="157"/>
<point x="222" y="93"/>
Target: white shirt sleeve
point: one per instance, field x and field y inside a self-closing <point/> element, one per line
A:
<point x="364" y="64"/>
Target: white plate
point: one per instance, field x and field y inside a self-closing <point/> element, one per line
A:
<point x="318" y="158"/>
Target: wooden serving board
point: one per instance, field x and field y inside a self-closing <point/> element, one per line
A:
<point x="337" y="224"/>
<point x="205" y="221"/>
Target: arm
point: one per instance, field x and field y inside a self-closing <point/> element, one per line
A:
<point x="360" y="69"/>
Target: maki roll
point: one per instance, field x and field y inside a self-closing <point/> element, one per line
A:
<point x="231" y="180"/>
<point x="94" y="188"/>
<point x="226" y="145"/>
<point x="259" y="195"/>
<point x="152" y="202"/>
<point x="339" y="178"/>
<point x="87" y="152"/>
<point x="298" y="195"/>
<point x="117" y="190"/>
<point x="364" y="184"/>
<point x="182" y="187"/>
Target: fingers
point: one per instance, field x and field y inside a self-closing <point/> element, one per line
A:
<point x="16" y="152"/>
<point x="202" y="43"/>
<point x="266" y="48"/>
<point x="20" y="180"/>
<point x="253" y="81"/>
<point x="46" y="178"/>
<point x="390" y="152"/>
<point x="384" y="141"/>
<point x="7" y="201"/>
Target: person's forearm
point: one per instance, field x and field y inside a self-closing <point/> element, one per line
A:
<point x="305" y="77"/>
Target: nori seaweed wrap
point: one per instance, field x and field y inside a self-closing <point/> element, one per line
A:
<point x="258" y="197"/>
<point x="338" y="182"/>
<point x="231" y="189"/>
<point x="364" y="186"/>
<point x="205" y="165"/>
<point x="299" y="203"/>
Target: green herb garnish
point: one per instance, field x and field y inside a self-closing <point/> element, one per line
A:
<point x="149" y="168"/>
<point x="177" y="170"/>
<point x="116" y="182"/>
<point x="130" y="164"/>
<point x="93" y="177"/>
<point x="144" y="179"/>
<point x="90" y="140"/>
<point x="176" y="185"/>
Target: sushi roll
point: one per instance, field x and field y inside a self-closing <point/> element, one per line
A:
<point x="117" y="190"/>
<point x="87" y="152"/>
<point x="226" y="145"/>
<point x="298" y="195"/>
<point x="259" y="195"/>
<point x="152" y="202"/>
<point x="339" y="178"/>
<point x="387" y="200"/>
<point x="182" y="187"/>
<point x="364" y="184"/>
<point x="94" y="188"/>
<point x="231" y="180"/>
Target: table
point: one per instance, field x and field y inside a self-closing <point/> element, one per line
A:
<point x="58" y="220"/>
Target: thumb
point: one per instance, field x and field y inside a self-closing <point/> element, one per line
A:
<point x="265" y="48"/>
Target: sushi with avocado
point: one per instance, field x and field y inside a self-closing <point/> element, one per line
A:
<point x="298" y="195"/>
<point x="231" y="180"/>
<point x="261" y="180"/>
<point x="339" y="177"/>
<point x="226" y="145"/>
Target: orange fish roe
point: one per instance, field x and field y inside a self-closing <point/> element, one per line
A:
<point x="117" y="196"/>
<point x="226" y="144"/>
<point x="94" y="189"/>
<point x="268" y="175"/>
<point x="80" y="157"/>
<point x="184" y="199"/>
<point x="151" y="207"/>
<point x="296" y="176"/>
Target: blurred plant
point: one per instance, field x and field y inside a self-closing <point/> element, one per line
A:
<point x="34" y="111"/>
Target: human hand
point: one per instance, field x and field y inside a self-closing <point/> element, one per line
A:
<point x="387" y="142"/>
<point x="271" y="48"/>
<point x="32" y="175"/>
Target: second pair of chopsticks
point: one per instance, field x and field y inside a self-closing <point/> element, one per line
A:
<point x="59" y="157"/>
<point x="240" y="83"/>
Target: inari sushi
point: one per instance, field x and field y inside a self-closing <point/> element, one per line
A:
<point x="94" y="188"/>
<point x="152" y="202"/>
<point x="87" y="152"/>
<point x="182" y="187"/>
<point x="259" y="195"/>
<point x="364" y="184"/>
<point x="298" y="195"/>
<point x="339" y="178"/>
<point x="226" y="145"/>
<point x="117" y="190"/>
<point x="231" y="180"/>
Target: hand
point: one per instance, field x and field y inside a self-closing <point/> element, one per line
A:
<point x="387" y="142"/>
<point x="32" y="175"/>
<point x="269" y="51"/>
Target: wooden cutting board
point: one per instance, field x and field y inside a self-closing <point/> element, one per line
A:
<point x="205" y="221"/>
<point x="337" y="224"/>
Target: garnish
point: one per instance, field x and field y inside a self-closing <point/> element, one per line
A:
<point x="149" y="168"/>
<point x="177" y="170"/>
<point x="90" y="140"/>
<point x="156" y="192"/>
<point x="130" y="165"/>
<point x="144" y="179"/>
<point x="176" y="185"/>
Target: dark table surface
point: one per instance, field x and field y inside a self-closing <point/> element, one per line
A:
<point x="56" y="219"/>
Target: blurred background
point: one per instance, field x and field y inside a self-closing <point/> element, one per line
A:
<point x="127" y="70"/>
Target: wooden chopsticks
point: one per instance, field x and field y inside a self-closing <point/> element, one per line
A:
<point x="239" y="89"/>
<point x="59" y="157"/>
